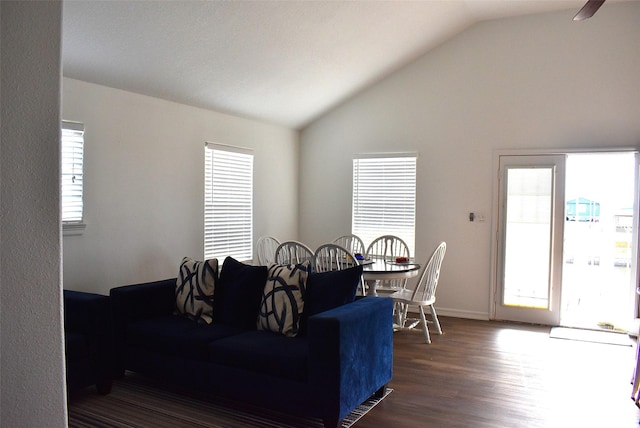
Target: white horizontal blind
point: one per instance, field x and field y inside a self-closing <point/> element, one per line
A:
<point x="228" y="204"/>
<point x="72" y="140"/>
<point x="384" y="198"/>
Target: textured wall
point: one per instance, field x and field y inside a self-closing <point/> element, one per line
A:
<point x="32" y="365"/>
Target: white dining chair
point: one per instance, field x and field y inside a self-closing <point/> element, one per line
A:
<point x="331" y="257"/>
<point x="423" y="296"/>
<point x="388" y="248"/>
<point x="352" y="243"/>
<point x="266" y="250"/>
<point x="293" y="252"/>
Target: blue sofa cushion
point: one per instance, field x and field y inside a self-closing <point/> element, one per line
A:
<point x="328" y="290"/>
<point x="263" y="352"/>
<point x="195" y="287"/>
<point x="238" y="294"/>
<point x="177" y="336"/>
<point x="282" y="301"/>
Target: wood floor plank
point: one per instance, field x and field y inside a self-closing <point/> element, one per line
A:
<point x="493" y="374"/>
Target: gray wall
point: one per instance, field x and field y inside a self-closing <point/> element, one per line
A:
<point x="533" y="82"/>
<point x="31" y="361"/>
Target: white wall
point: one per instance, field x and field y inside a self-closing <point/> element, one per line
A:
<point x="533" y="82"/>
<point x="32" y="391"/>
<point x="144" y="169"/>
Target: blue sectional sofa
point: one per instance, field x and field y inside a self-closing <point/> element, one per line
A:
<point x="339" y="358"/>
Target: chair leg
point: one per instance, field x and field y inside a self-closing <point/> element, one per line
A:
<point x="397" y="312"/>
<point x="402" y="314"/>
<point x="435" y="319"/>
<point x="425" y="328"/>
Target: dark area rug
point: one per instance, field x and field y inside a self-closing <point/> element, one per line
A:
<point x="139" y="402"/>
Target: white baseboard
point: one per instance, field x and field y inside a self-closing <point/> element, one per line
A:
<point x="456" y="313"/>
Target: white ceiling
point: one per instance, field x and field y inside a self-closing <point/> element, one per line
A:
<point x="285" y="62"/>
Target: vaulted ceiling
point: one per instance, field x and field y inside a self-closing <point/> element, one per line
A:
<point x="284" y="62"/>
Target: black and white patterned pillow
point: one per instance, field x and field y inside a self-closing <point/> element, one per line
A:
<point x="282" y="302"/>
<point x="195" y="286"/>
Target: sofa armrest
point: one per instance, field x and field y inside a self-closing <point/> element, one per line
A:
<point x="131" y="303"/>
<point x="350" y="353"/>
<point x="143" y="301"/>
<point x="86" y="313"/>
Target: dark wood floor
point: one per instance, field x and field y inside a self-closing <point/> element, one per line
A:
<point x="493" y="374"/>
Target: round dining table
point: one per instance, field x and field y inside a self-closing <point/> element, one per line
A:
<point x="375" y="270"/>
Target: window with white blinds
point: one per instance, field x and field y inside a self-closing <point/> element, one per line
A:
<point x="228" y="202"/>
<point x="72" y="147"/>
<point x="384" y="197"/>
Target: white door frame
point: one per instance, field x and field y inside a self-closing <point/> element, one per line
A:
<point x="549" y="315"/>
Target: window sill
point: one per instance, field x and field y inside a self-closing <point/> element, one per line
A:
<point x="73" y="229"/>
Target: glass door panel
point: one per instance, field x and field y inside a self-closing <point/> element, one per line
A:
<point x="530" y="225"/>
<point x="528" y="237"/>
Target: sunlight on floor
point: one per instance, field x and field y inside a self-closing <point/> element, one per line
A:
<point x="551" y="370"/>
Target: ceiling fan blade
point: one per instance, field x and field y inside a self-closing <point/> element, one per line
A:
<point x="588" y="10"/>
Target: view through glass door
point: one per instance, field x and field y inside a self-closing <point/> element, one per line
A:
<point x="599" y="262"/>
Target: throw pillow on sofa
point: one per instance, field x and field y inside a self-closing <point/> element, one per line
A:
<point x="328" y="290"/>
<point x="238" y="294"/>
<point x="282" y="301"/>
<point x="195" y="287"/>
